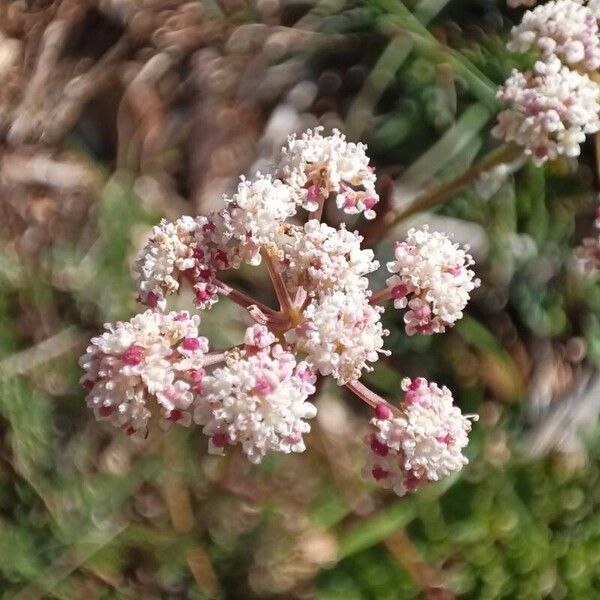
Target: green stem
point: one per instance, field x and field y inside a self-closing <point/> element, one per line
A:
<point x="437" y="195"/>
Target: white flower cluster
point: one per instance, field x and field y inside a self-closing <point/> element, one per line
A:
<point x="551" y="110"/>
<point x="317" y="166"/>
<point x="256" y="396"/>
<point x="166" y="255"/>
<point x="423" y="442"/>
<point x="341" y="334"/>
<point x="431" y="276"/>
<point x="259" y="400"/>
<point x="151" y="365"/>
<point x="553" y="106"/>
<point x="175" y="250"/>
<point x="563" y="28"/>
<point x="323" y="259"/>
<point x="255" y="216"/>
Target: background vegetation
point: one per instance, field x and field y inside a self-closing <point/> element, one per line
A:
<point x="116" y="112"/>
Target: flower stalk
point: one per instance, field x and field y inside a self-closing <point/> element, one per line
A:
<point x="437" y="195"/>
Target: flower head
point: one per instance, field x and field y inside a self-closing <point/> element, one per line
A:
<point x="563" y="28"/>
<point x="186" y="249"/>
<point x="432" y="277"/>
<point x="323" y="259"/>
<point x="327" y="321"/>
<point x="168" y="253"/>
<point x="423" y="442"/>
<point x="255" y="215"/>
<point x="258" y="400"/>
<point x="341" y="334"/>
<point x="151" y="364"/>
<point x="551" y="110"/>
<point x="317" y="166"/>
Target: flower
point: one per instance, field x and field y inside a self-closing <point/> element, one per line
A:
<point x="317" y="166"/>
<point x="258" y="400"/>
<point x="167" y="253"/>
<point x="151" y="364"/>
<point x="431" y="276"/>
<point x="255" y="215"/>
<point x="420" y="443"/>
<point x="551" y="110"/>
<point x="256" y="395"/>
<point x="323" y="259"/>
<point x="341" y="334"/>
<point x="564" y="28"/>
<point x="184" y="248"/>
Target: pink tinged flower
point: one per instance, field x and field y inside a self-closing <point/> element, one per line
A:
<point x="422" y="443"/>
<point x="208" y="228"/>
<point x="149" y="376"/>
<point x="563" y="28"/>
<point x="412" y="397"/>
<point x="370" y="202"/>
<point x="88" y="384"/>
<point x="341" y="335"/>
<point x="322" y="259"/>
<point x="258" y="337"/>
<point x="259" y="401"/>
<point x="551" y="110"/>
<point x="422" y="279"/>
<point x="333" y="166"/>
<point x="313" y="194"/>
<point x="197" y="374"/>
<point x="175" y="415"/>
<point x="255" y="216"/>
<point x="263" y="385"/>
<point x="349" y="201"/>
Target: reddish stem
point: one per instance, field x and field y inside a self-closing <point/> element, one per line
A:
<point x="381" y="296"/>
<point x="243" y="299"/>
<point x="369" y="396"/>
<point x="285" y="302"/>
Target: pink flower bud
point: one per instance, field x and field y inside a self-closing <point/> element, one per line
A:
<point x="190" y="344"/>
<point x="219" y="440"/>
<point x="106" y="411"/>
<point x="133" y="356"/>
<point x="382" y="411"/>
<point x="379" y="473"/>
<point x="379" y="447"/>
